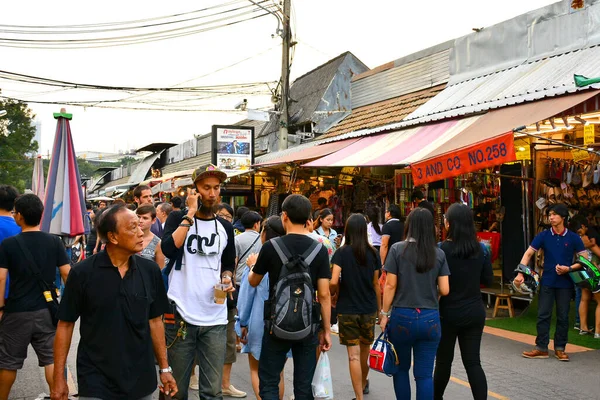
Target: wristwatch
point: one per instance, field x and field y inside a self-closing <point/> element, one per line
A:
<point x="165" y="370"/>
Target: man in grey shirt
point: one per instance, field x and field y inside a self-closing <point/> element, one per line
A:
<point x="247" y="242"/>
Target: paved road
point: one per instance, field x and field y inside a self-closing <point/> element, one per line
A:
<point x="509" y="375"/>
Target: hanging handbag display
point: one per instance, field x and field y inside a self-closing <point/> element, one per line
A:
<point x="51" y="293"/>
<point x="382" y="356"/>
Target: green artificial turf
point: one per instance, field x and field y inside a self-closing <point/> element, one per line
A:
<point x="526" y="323"/>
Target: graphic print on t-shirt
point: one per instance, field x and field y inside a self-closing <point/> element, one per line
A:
<point x="206" y="245"/>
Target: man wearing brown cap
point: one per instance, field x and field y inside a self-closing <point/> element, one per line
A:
<point x="201" y="250"/>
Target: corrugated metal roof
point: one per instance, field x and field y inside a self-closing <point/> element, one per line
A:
<point x="307" y="91"/>
<point x="186" y="164"/>
<point x="412" y="76"/>
<point x="384" y="112"/>
<point x="548" y="77"/>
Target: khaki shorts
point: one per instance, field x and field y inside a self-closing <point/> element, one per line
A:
<point x="357" y="329"/>
<point x="18" y="330"/>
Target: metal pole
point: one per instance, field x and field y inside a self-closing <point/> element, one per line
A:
<point x="285" y="77"/>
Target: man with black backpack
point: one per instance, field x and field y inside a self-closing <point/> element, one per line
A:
<point x="298" y="268"/>
<point x="31" y="258"/>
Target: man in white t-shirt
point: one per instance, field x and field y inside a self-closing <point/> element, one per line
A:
<point x="201" y="250"/>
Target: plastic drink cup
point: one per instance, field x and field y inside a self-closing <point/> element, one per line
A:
<point x="220" y="293"/>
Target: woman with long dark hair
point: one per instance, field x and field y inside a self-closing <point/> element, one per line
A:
<point x="358" y="298"/>
<point x="462" y="312"/>
<point x="374" y="227"/>
<point x="324" y="223"/>
<point x="417" y="274"/>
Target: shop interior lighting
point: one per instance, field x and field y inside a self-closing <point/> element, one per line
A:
<point x="590" y="149"/>
<point x="581" y="120"/>
<point x="521" y="148"/>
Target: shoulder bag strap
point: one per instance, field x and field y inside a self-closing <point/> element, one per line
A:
<point x="244" y="254"/>
<point x="33" y="267"/>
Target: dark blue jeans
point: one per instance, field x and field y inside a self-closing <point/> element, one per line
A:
<point x="272" y="360"/>
<point x="548" y="297"/>
<point x="418" y="331"/>
<point x="577" y="303"/>
<point x="205" y="344"/>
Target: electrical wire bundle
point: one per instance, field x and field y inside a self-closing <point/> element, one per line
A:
<point x="136" y="31"/>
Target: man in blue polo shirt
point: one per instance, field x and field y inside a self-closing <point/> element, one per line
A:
<point x="8" y="226"/>
<point x="560" y="247"/>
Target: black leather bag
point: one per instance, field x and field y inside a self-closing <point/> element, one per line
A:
<point x="50" y="293"/>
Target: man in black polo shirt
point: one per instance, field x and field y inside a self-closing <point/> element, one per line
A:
<point x="392" y="231"/>
<point x="120" y="298"/>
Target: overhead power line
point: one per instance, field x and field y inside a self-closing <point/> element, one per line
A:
<point x="121" y="108"/>
<point x="111" y="41"/>
<point x="13" y="76"/>
<point x="95" y="25"/>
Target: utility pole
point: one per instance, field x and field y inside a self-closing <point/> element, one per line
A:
<point x="285" y="77"/>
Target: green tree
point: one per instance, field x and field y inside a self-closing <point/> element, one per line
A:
<point x="16" y="144"/>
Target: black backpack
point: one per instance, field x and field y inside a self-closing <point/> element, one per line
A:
<point x="292" y="312"/>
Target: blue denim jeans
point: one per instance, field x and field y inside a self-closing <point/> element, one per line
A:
<point x="419" y="332"/>
<point x="577" y="303"/>
<point x="272" y="360"/>
<point x="206" y="344"/>
<point x="548" y="297"/>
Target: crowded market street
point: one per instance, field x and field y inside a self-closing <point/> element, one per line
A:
<point x="509" y="375"/>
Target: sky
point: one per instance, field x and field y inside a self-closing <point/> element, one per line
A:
<point x="377" y="31"/>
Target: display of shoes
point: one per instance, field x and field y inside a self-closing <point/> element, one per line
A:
<point x="231" y="391"/>
<point x="334" y="328"/>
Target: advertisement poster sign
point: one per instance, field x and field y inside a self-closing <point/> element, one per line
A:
<point x="233" y="148"/>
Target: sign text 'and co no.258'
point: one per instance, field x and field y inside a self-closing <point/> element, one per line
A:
<point x="489" y="153"/>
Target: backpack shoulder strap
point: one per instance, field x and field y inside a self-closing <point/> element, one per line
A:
<point x="310" y="254"/>
<point x="281" y="249"/>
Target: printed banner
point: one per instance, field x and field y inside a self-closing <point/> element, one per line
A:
<point x="489" y="153"/>
<point x="233" y="147"/>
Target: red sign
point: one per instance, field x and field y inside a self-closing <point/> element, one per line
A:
<point x="489" y="153"/>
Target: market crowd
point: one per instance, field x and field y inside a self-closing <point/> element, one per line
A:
<point x="175" y="289"/>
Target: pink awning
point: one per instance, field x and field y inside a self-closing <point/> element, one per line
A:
<point x="309" y="153"/>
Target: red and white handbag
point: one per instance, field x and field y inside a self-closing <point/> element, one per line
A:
<point x="382" y="356"/>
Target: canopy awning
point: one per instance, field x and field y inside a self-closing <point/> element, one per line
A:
<point x="416" y="144"/>
<point x="308" y="153"/>
<point x="143" y="167"/>
<point x="166" y="177"/>
<point x="400" y="147"/>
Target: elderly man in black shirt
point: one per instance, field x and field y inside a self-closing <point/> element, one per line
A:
<point x="120" y="298"/>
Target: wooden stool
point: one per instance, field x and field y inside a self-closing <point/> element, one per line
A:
<point x="503" y="302"/>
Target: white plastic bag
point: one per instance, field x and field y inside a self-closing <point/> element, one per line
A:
<point x="322" y="386"/>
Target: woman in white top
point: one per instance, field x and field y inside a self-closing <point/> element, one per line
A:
<point x="374" y="227"/>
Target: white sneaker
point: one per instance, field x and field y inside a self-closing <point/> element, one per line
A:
<point x="233" y="392"/>
<point x="334" y="328"/>
<point x="194" y="382"/>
